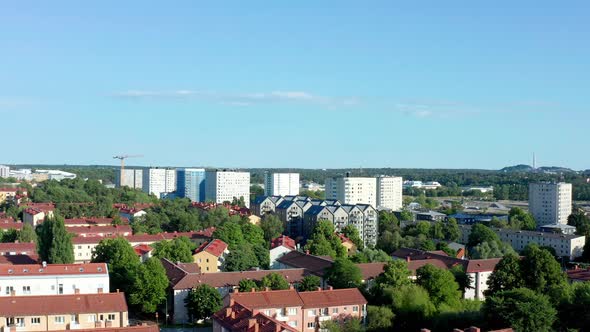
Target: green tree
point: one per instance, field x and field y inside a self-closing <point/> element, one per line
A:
<point x="309" y="283"/>
<point x="395" y="275"/>
<point x="8" y="236"/>
<point x="177" y="250"/>
<point x="440" y="285"/>
<point x="324" y="241"/>
<point x="242" y="258"/>
<point x="122" y="260"/>
<point x="55" y="243"/>
<point x="445" y="247"/>
<point x="369" y="255"/>
<point x="520" y="308"/>
<point x="344" y="274"/>
<point x="574" y="314"/>
<point x="481" y="233"/>
<point x="387" y="222"/>
<point x="579" y="220"/>
<point x="389" y="241"/>
<point x="274" y="281"/>
<point x="149" y="286"/>
<point x="540" y="270"/>
<point x="506" y="275"/>
<point x="246" y="285"/>
<point x="352" y="233"/>
<point x="520" y="219"/>
<point x="379" y="318"/>
<point x="461" y="277"/>
<point x="349" y="325"/>
<point x="230" y="233"/>
<point x="202" y="302"/>
<point x="27" y="234"/>
<point x="452" y="230"/>
<point x="272" y="226"/>
<point x="253" y="234"/>
<point x="406" y="215"/>
<point x="494" y="249"/>
<point x="412" y="307"/>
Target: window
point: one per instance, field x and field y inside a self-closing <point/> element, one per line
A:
<point x="36" y="320"/>
<point x="60" y="289"/>
<point x="73" y="318"/>
<point x="26" y="289"/>
<point x="334" y="310"/>
<point x="267" y="312"/>
<point x="111" y="317"/>
<point x="91" y="318"/>
<point x="355" y="308"/>
<point x="292" y="323"/>
<point x="20" y="322"/>
<point x="311" y="313"/>
<point x="9" y="290"/>
<point x="311" y="325"/>
<point x="292" y="311"/>
<point x="59" y="319"/>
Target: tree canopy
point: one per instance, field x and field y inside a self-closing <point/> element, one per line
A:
<point x="202" y="302"/>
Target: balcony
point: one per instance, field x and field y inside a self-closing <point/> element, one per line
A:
<point x="74" y="326"/>
<point x="281" y="318"/>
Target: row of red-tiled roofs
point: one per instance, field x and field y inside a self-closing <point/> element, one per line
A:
<point x="52" y="269"/>
<point x="240" y="318"/>
<point x="149" y="238"/>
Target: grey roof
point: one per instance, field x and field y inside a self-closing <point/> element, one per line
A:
<point x="559" y="226"/>
<point x="332" y="202"/>
<point x="260" y="199"/>
<point x="314" y="210"/>
<point x="365" y="207"/>
<point x="348" y="207"/>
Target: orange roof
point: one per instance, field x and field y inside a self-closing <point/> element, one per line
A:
<point x="237" y="318"/>
<point x="482" y="265"/>
<point x="19" y="247"/>
<point x="92" y="221"/>
<point x="284" y="241"/>
<point x="268" y="299"/>
<point x="142" y="249"/>
<point x="62" y="304"/>
<point x="53" y="269"/>
<point x="332" y="297"/>
<point x="215" y="247"/>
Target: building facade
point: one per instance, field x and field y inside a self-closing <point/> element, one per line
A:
<point x="159" y="181"/>
<point x="190" y="183"/>
<point x="352" y="190"/>
<point x="53" y="279"/>
<point x="281" y="184"/>
<point x="389" y="193"/>
<point x="550" y="203"/>
<point x="4" y="171"/>
<point x="210" y="256"/>
<point x="132" y="178"/>
<point x="225" y="186"/>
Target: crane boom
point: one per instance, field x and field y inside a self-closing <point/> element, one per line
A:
<point x="122" y="157"/>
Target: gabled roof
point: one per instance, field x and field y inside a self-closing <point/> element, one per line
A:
<point x="332" y="297"/>
<point x="578" y="274"/>
<point x="53" y="269"/>
<point x="371" y="270"/>
<point x="215" y="247"/>
<point x="9" y="223"/>
<point x="482" y="265"/>
<point x="268" y="299"/>
<point x="18" y="247"/>
<point x="178" y="280"/>
<point x="142" y="249"/>
<point x="284" y="241"/>
<point x="62" y="304"/>
<point x="315" y="210"/>
<point x="237" y="318"/>
<point x="314" y="264"/>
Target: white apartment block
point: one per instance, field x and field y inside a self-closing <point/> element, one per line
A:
<point x="352" y="190"/>
<point x="53" y="279"/>
<point x="281" y="184"/>
<point x="159" y="181"/>
<point x="550" y="203"/>
<point x="132" y="178"/>
<point x="4" y="171"/>
<point x="224" y="186"/>
<point x="389" y="192"/>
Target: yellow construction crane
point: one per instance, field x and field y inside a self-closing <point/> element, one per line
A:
<point x="122" y="158"/>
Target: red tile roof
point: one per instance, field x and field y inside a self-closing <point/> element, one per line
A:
<point x="9" y="223"/>
<point x="578" y="274"/>
<point x="482" y="265"/>
<point x="343" y="238"/>
<point x="237" y="318"/>
<point x="148" y="238"/>
<point x="98" y="230"/>
<point x="332" y="298"/>
<point x="314" y="264"/>
<point x="142" y="249"/>
<point x="268" y="299"/>
<point x="92" y="221"/>
<point x="215" y="247"/>
<point x="62" y="304"/>
<point x="371" y="270"/>
<point x="53" y="269"/>
<point x="283" y="240"/>
<point x="18" y="247"/>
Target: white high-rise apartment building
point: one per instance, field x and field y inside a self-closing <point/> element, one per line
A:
<point x="4" y="171"/>
<point x="224" y="186"/>
<point x="281" y="184"/>
<point x="550" y="203"/>
<point x="389" y="192"/>
<point x="132" y="178"/>
<point x="352" y="190"/>
<point x="159" y="181"/>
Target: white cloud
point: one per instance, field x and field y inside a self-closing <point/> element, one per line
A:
<point x="240" y="99"/>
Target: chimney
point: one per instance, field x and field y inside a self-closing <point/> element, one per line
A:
<point x="236" y="290"/>
<point x="253" y="290"/>
<point x="291" y="286"/>
<point x="266" y="289"/>
<point x="319" y="289"/>
<point x="408" y="259"/>
<point x="117" y="290"/>
<point x="12" y="292"/>
<point x="228" y="311"/>
<point x="473" y="329"/>
<point x="307" y="252"/>
<point x="251" y="322"/>
<point x="330" y="288"/>
<point x="100" y="290"/>
<point x="44" y="264"/>
<point x="77" y="291"/>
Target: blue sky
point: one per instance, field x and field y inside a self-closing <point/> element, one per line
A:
<point x="318" y="84"/>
